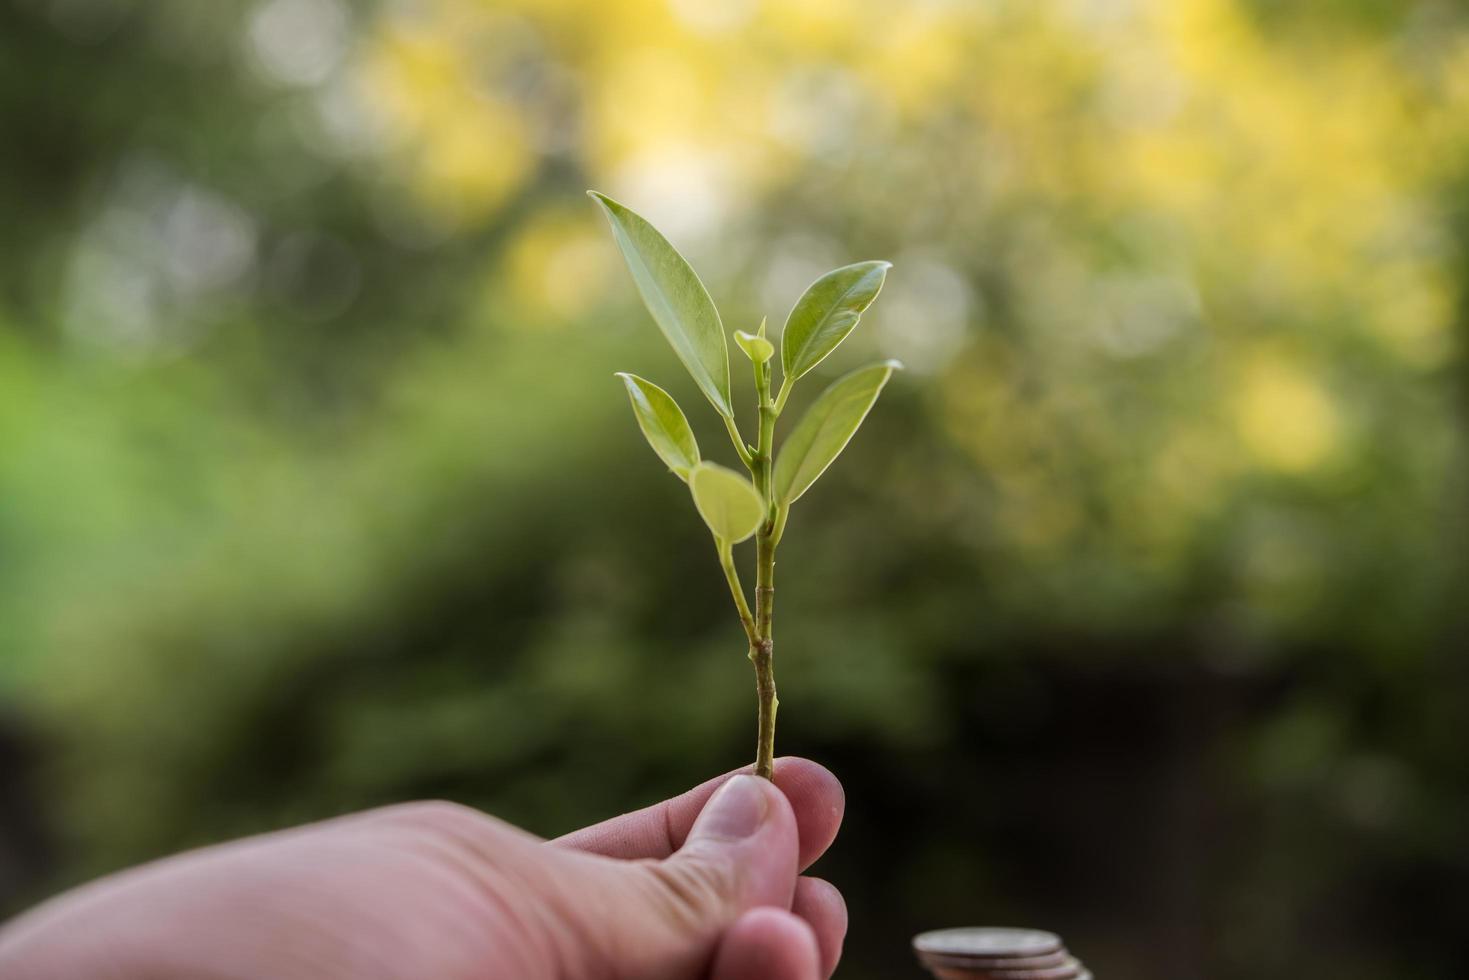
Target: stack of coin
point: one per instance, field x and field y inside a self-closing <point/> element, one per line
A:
<point x="997" y="954"/>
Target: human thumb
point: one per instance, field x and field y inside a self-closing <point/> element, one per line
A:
<point x="671" y="914"/>
<point x="742" y="850"/>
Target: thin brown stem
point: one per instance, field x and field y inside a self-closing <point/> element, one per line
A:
<point x="762" y="646"/>
<point x="762" y="652"/>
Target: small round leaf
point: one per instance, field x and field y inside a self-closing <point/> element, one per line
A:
<point x="727" y="501"/>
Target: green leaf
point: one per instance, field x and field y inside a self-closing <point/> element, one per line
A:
<point x="663" y="424"/>
<point x="755" y="346"/>
<point x="826" y="313"/>
<point x="727" y="501"/>
<point x="826" y="429"/>
<point x="677" y="299"/>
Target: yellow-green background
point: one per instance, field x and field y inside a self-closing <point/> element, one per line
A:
<point x="1137" y="610"/>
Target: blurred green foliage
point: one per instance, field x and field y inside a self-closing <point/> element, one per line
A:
<point x="1138" y="612"/>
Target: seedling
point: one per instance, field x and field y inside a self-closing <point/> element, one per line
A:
<point x="734" y="507"/>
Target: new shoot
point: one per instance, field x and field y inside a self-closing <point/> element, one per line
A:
<point x="734" y="505"/>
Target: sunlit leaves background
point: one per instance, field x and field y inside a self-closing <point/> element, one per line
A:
<point x="1136" y="610"/>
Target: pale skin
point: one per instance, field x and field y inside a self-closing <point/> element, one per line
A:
<point x="705" y="886"/>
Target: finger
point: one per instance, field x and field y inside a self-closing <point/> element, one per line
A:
<point x="657" y="831"/>
<point x="667" y="918"/>
<point x="822" y="907"/>
<point x="767" y="944"/>
<point x="740" y="853"/>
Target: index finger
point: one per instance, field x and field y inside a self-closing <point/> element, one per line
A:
<point x="657" y="831"/>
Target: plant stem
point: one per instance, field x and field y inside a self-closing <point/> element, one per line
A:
<point x="732" y="576"/>
<point x="762" y="646"/>
<point x="785" y="392"/>
<point x="779" y="527"/>
<point x="739" y="442"/>
<point x="762" y="652"/>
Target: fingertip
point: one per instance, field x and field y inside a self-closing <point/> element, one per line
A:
<point x="767" y="944"/>
<point x="818" y="800"/>
<point x="812" y="776"/>
<point x="737" y="810"/>
<point x="822" y="906"/>
<point x="813" y="793"/>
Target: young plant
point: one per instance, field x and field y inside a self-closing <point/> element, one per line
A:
<point x="735" y="508"/>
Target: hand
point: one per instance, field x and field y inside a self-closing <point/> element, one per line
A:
<point x="703" y="885"/>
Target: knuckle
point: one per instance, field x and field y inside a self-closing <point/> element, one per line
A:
<point x="692" y="893"/>
<point x="440" y="816"/>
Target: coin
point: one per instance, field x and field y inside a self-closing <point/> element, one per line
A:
<point x="987" y="943"/>
<point x="997" y="954"/>
<point x="1071" y="970"/>
<point x="971" y="973"/>
<point x="1058" y="958"/>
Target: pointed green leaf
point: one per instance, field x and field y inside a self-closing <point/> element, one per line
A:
<point x="677" y="299"/>
<point x="826" y="429"/>
<point x="756" y="347"/>
<point x="727" y="501"/>
<point x="663" y="424"/>
<point x="826" y="313"/>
